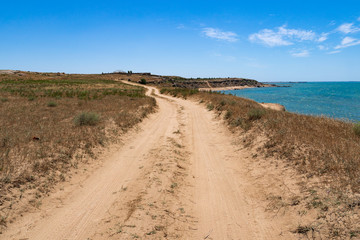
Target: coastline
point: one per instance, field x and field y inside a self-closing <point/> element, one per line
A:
<point x="224" y="88"/>
<point x="274" y="106"/>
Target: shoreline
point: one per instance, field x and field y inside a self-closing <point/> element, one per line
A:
<point x="224" y="88"/>
<point x="234" y="87"/>
<point x="274" y="106"/>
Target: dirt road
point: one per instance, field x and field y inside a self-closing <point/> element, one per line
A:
<point x="182" y="176"/>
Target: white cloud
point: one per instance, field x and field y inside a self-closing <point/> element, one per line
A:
<point x="269" y="37"/>
<point x="323" y="37"/>
<point x="358" y="19"/>
<point x="282" y="37"/>
<point x="348" y="42"/>
<point x="348" y="28"/>
<point x="220" y="35"/>
<point x="302" y="53"/>
<point x="334" y="52"/>
<point x="297" y="34"/>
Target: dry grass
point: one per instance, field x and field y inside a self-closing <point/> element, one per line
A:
<point x="49" y="124"/>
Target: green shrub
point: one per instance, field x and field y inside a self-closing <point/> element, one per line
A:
<point x="228" y="114"/>
<point x="87" y="118"/>
<point x="240" y="122"/>
<point x="143" y="81"/>
<point x="52" y="104"/>
<point x="357" y="129"/>
<point x="255" y="113"/>
<point x="210" y="106"/>
<point x="4" y="99"/>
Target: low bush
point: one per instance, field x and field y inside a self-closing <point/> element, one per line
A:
<point x="228" y="114"/>
<point x="357" y="129"/>
<point x="87" y="118"/>
<point x="210" y="106"/>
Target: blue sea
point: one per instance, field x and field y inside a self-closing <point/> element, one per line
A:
<point x="333" y="99"/>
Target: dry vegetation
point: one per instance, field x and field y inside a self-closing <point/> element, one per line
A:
<point x="50" y="123"/>
<point x="324" y="150"/>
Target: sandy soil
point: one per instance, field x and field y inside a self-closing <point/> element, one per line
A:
<point x="274" y="106"/>
<point x="182" y="176"/>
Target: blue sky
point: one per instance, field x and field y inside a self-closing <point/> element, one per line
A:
<point x="264" y="40"/>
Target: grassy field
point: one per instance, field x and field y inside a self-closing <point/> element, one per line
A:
<point x="50" y="123"/>
<point x="326" y="152"/>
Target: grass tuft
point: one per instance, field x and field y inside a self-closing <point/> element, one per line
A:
<point x="210" y="106"/>
<point x="357" y="129"/>
<point x="51" y="104"/>
<point x="255" y="113"/>
<point x="87" y="119"/>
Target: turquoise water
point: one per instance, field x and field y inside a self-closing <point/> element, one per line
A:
<point x="334" y="99"/>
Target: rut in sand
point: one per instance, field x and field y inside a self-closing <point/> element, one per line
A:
<point x="180" y="177"/>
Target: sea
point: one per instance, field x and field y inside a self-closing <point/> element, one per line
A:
<point x="340" y="100"/>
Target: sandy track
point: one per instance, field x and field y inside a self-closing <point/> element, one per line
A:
<point x="180" y="177"/>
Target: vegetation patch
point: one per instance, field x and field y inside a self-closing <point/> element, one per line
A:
<point x="51" y="104"/>
<point x="87" y="119"/>
<point x="255" y="113"/>
<point x="357" y="129"/>
<point x="179" y="92"/>
<point x="210" y="106"/>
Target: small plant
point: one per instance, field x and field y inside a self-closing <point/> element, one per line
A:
<point x="303" y="229"/>
<point x="357" y="129"/>
<point x="31" y="98"/>
<point x="210" y="106"/>
<point x="143" y="81"/>
<point x="87" y="118"/>
<point x="255" y="113"/>
<point x="4" y="99"/>
<point x="52" y="104"/>
<point x="228" y="114"/>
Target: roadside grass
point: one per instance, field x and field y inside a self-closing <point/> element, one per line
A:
<point x="179" y="92"/>
<point x="316" y="145"/>
<point x="52" y="124"/>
